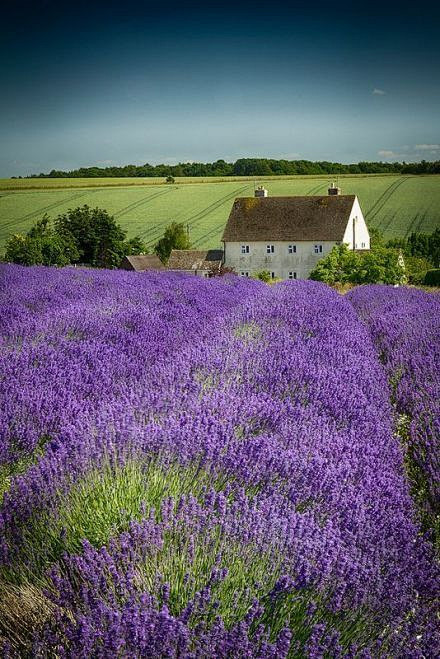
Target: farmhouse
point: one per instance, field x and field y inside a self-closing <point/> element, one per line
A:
<point x="201" y="262"/>
<point x="141" y="262"/>
<point x="287" y="236"/>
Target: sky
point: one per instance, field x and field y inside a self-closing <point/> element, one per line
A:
<point x="110" y="83"/>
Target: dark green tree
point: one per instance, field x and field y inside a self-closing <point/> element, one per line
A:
<point x="175" y="237"/>
<point x="99" y="239"/>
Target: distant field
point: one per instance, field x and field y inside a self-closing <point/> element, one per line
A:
<point x="396" y="205"/>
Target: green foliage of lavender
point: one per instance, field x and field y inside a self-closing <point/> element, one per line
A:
<point x="219" y="476"/>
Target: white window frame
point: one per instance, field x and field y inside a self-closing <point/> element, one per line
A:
<point x="318" y="249"/>
<point x="244" y="273"/>
<point x="292" y="275"/>
<point x="245" y="249"/>
<point x="270" y="249"/>
<point x="292" y="249"/>
<point x="362" y="244"/>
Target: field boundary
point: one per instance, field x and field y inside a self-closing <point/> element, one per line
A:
<point x="60" y="184"/>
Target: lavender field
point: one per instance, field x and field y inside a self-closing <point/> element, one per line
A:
<point x="216" y="468"/>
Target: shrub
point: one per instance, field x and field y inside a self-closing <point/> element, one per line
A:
<point x="432" y="277"/>
<point x="416" y="269"/>
<point x="264" y="275"/>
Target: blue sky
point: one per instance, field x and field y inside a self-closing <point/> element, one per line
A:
<point x="131" y="82"/>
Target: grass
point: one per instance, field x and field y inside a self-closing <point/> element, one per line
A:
<point x="395" y="204"/>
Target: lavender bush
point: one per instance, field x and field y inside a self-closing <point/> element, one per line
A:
<point x="405" y="327"/>
<point x="203" y="468"/>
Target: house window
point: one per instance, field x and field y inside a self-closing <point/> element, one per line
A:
<point x="244" y="274"/>
<point x="292" y="249"/>
<point x="292" y="275"/>
<point x="245" y="249"/>
<point x="270" y="249"/>
<point x="272" y="275"/>
<point x="318" y="249"/>
<point x="362" y="244"/>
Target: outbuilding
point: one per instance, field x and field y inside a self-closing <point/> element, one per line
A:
<point x="201" y="262"/>
<point x="142" y="262"/>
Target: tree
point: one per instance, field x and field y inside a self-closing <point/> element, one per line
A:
<point x="135" y="245"/>
<point x="23" y="250"/>
<point x="381" y="266"/>
<point x="340" y="266"/>
<point x="41" y="246"/>
<point x="175" y="237"/>
<point x="378" y="266"/>
<point x="416" y="269"/>
<point x="170" y="179"/>
<point x="99" y="239"/>
<point x="376" y="237"/>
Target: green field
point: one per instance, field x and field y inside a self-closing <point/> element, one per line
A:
<point x="396" y="205"/>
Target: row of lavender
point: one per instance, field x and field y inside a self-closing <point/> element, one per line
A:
<point x="220" y="475"/>
<point x="405" y="327"/>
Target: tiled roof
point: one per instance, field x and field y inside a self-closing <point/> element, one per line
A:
<point x="140" y="262"/>
<point x="195" y="259"/>
<point x="289" y="218"/>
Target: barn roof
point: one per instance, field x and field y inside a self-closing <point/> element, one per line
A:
<point x="289" y="218"/>
<point x="140" y="262"/>
<point x="195" y="259"/>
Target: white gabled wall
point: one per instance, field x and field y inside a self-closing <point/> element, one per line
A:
<point x="361" y="235"/>
<point x="280" y="262"/>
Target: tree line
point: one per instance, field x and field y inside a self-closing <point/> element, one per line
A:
<point x="246" y="167"/>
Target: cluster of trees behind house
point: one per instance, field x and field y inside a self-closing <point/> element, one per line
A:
<point x="247" y="167"/>
<point x="90" y="236"/>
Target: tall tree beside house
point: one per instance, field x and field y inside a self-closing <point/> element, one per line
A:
<point x="175" y="237"/>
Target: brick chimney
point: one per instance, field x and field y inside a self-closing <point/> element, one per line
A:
<point x="333" y="190"/>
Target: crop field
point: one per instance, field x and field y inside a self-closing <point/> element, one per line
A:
<point x="196" y="468"/>
<point x="396" y="205"/>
